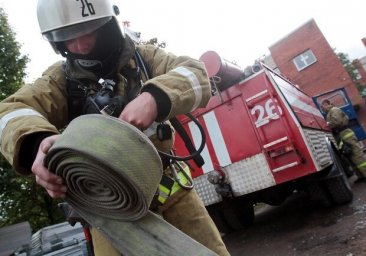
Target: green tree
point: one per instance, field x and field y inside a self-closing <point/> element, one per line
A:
<point x="12" y="63"/>
<point x="20" y="198"/>
<point x="351" y="70"/>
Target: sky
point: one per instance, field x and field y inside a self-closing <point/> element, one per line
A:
<point x="239" y="31"/>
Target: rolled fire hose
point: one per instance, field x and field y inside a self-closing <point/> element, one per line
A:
<point x="112" y="171"/>
<point x="99" y="158"/>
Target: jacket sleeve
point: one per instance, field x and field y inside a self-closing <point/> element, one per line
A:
<point x="38" y="108"/>
<point x="182" y="79"/>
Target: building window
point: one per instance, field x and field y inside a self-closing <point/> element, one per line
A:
<point x="304" y="60"/>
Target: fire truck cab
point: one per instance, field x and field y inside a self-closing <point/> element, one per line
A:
<point x="264" y="139"/>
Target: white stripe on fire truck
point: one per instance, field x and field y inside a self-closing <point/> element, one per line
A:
<point x="283" y="167"/>
<point x="275" y="142"/>
<point x="302" y="105"/>
<point x="217" y="139"/>
<point x="257" y="95"/>
<point x="197" y="139"/>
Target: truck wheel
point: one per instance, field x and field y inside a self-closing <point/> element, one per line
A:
<point x="318" y="193"/>
<point x="245" y="211"/>
<point x="218" y="218"/>
<point x="237" y="215"/>
<point x="338" y="186"/>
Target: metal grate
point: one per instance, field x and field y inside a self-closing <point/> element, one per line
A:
<point x="317" y="143"/>
<point x="246" y="176"/>
<point x="206" y="190"/>
<point x="249" y="175"/>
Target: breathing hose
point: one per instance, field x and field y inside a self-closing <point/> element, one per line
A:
<point x="194" y="154"/>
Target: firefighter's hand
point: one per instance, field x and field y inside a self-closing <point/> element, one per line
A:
<point x="51" y="182"/>
<point x="141" y="112"/>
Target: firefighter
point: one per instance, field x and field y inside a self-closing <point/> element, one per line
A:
<point x="148" y="85"/>
<point x="337" y="120"/>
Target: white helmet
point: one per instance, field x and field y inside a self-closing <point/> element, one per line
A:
<point x="62" y="20"/>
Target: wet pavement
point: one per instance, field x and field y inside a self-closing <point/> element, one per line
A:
<point x="300" y="227"/>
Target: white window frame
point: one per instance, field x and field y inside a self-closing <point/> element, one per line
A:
<point x="303" y="57"/>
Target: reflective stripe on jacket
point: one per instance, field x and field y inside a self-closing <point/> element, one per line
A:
<point x="168" y="186"/>
<point x="345" y="136"/>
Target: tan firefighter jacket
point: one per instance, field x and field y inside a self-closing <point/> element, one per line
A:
<point x="336" y="119"/>
<point x="43" y="105"/>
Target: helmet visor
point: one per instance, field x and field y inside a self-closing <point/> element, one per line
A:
<point x="74" y="31"/>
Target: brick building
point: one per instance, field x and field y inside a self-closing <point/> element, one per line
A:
<point x="306" y="58"/>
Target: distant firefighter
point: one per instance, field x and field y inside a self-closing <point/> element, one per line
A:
<point x="347" y="142"/>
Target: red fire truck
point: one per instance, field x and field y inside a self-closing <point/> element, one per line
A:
<point x="264" y="139"/>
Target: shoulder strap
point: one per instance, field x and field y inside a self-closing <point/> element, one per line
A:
<point x="76" y="98"/>
<point x="134" y="73"/>
<point x="142" y="65"/>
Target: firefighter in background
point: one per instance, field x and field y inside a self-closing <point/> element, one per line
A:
<point x="88" y="35"/>
<point x="337" y="120"/>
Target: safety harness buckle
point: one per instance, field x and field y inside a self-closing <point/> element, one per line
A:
<point x="170" y="185"/>
<point x="178" y="178"/>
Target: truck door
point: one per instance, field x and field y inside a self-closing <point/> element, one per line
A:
<point x="274" y="127"/>
<point x="340" y="99"/>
